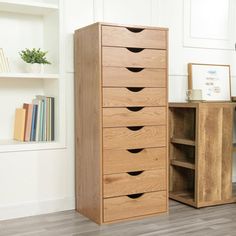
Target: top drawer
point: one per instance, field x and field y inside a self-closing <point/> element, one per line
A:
<point x="133" y="37"/>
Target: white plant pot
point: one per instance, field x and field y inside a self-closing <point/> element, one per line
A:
<point x="34" y="68"/>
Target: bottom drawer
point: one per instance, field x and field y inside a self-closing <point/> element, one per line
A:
<point x="134" y="205"/>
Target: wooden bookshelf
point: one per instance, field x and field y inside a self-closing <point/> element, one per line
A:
<point x="198" y="130"/>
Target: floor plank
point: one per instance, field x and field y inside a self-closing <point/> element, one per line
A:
<point x="182" y="220"/>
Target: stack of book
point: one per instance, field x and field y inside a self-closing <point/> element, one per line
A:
<point x="35" y="122"/>
<point x="4" y="65"/>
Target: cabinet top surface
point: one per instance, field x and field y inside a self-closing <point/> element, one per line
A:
<point x="197" y="104"/>
<point x="124" y="25"/>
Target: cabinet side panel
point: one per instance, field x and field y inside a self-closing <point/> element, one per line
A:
<point x="214" y="156"/>
<point x="228" y="114"/>
<point x="88" y="122"/>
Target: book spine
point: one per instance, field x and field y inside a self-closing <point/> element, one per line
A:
<point x="52" y="119"/>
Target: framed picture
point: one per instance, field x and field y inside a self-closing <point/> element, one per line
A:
<point x="213" y="80"/>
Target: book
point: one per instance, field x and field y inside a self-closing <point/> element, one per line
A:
<point x="34" y="122"/>
<point x="38" y="121"/>
<point x="4" y="65"/>
<point x="19" y="126"/>
<point x="52" y="115"/>
<point x="43" y="110"/>
<point x="48" y="125"/>
<point x="28" y="120"/>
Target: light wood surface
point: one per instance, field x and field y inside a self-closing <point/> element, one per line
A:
<point x="215" y="152"/>
<point x="134" y="182"/>
<point x="123" y="97"/>
<point x="124" y="138"/>
<point x="121" y="121"/>
<point x="134" y="77"/>
<point x="122" y="57"/>
<point x="183" y="164"/>
<point x="201" y="175"/>
<point x="119" y="161"/>
<point x="116" y="117"/>
<point x="88" y="123"/>
<point x="133" y="37"/>
<point x="125" y="207"/>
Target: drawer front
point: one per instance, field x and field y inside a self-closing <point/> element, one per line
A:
<point x="120" y="161"/>
<point x="127" y="97"/>
<point x="125" y="138"/>
<point x="134" y="182"/>
<point x="134" y="77"/>
<point x="124" y="57"/>
<point x="133" y="37"/>
<point x="131" y="206"/>
<point x="134" y="116"/>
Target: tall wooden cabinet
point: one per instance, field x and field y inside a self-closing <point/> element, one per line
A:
<point x="201" y="147"/>
<point x="121" y="121"/>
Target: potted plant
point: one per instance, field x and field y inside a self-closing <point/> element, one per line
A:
<point x="35" y="59"/>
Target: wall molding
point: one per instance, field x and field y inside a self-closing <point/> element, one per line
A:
<point x="36" y="208"/>
<point x="208" y="42"/>
<point x="98" y="11"/>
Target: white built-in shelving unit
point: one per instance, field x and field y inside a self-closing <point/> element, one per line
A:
<point x="31" y="24"/>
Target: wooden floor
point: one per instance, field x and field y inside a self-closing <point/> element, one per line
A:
<point x="182" y="220"/>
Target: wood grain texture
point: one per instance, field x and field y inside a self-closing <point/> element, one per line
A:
<point x="215" y="152"/>
<point x="122" y="97"/>
<point x="128" y="183"/>
<point x="125" y="207"/>
<point x="116" y="117"/>
<point x="212" y="126"/>
<point x="123" y="37"/>
<point x="88" y="122"/>
<point x="123" y="138"/>
<point x="120" y="161"/>
<point x="122" y="57"/>
<point x="124" y="77"/>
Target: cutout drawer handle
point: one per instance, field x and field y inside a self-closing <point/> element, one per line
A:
<point x="135" y="128"/>
<point x="134" y="109"/>
<point x="134" y="69"/>
<point x="137" y="150"/>
<point x="135" y="89"/>
<point x="135" y="50"/>
<point x="134" y="30"/>
<point x="135" y="173"/>
<point x="133" y="196"/>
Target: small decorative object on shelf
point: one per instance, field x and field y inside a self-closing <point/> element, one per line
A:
<point x="35" y="122"/>
<point x="35" y="59"/>
<point x="213" y="80"/>
<point x="4" y="64"/>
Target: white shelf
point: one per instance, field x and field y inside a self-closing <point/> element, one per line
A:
<point x="28" y="76"/>
<point x="15" y="146"/>
<point x="32" y="8"/>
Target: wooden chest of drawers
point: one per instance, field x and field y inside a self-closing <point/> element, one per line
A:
<point x="121" y="121"/>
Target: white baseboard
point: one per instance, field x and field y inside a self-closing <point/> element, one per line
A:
<point x="36" y="208"/>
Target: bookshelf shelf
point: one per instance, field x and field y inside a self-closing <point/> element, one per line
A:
<point x="15" y="146"/>
<point x="32" y="7"/>
<point x="183" y="141"/>
<point x="183" y="164"/>
<point x="28" y="76"/>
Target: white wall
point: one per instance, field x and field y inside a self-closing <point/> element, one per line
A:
<point x="38" y="182"/>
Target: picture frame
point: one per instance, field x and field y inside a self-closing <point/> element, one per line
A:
<point x="213" y="79"/>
